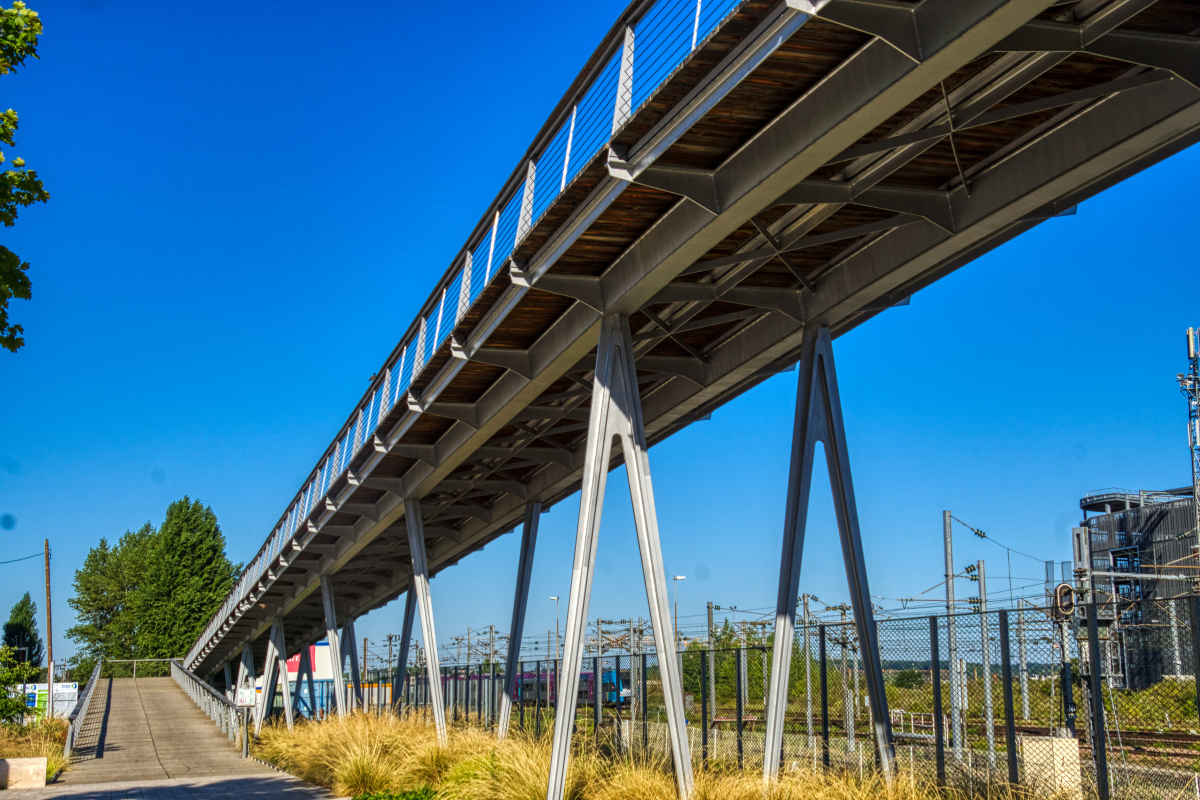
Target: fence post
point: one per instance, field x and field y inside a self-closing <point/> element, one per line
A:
<point x="704" y="708"/>
<point x="939" y="735"/>
<point x="1010" y="731"/>
<point x="597" y="696"/>
<point x="824" y="699"/>
<point x="521" y="691"/>
<point x="646" y="706"/>
<point x="737" y="672"/>
<point x="1098" y="743"/>
<point x="537" y="699"/>
<point x="1194" y="605"/>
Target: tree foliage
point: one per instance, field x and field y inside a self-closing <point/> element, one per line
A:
<point x="105" y="593"/>
<point x="187" y="579"/>
<point x="909" y="679"/>
<point x="21" y="630"/>
<point x="12" y="674"/>
<point x="20" y="28"/>
<point x="151" y="594"/>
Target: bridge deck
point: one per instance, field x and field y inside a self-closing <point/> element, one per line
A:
<point x="148" y="730"/>
<point x="792" y="172"/>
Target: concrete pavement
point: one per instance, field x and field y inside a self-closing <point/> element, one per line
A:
<point x="146" y="738"/>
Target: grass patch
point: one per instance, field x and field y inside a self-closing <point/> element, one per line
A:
<point x="42" y="739"/>
<point x="384" y="757"/>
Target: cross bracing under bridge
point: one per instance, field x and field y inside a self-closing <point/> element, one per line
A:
<point x="720" y="179"/>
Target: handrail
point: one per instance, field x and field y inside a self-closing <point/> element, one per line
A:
<point x="217" y="706"/>
<point x="220" y="698"/>
<point x="612" y="87"/>
<point x="79" y="713"/>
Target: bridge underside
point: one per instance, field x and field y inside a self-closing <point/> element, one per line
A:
<point x="794" y="171"/>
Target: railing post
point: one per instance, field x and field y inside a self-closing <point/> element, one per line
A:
<point x="1094" y="681"/>
<point x="624" y="101"/>
<point x="737" y="686"/>
<point x="939" y="734"/>
<point x="597" y="696"/>
<point x="824" y="698"/>
<point x="1194" y="605"/>
<point x="1010" y="733"/>
<point x="704" y="708"/>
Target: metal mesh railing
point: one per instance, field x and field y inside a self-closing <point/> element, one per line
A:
<point x="979" y="700"/>
<point x="644" y="56"/>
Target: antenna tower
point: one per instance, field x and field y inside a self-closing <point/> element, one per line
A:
<point x="1189" y="384"/>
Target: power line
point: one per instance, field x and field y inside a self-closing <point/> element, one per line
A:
<point x="26" y="558"/>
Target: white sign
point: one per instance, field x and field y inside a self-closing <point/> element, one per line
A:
<point x="246" y="697"/>
<point x="37" y="697"/>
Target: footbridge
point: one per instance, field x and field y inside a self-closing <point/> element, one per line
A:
<point x="725" y="188"/>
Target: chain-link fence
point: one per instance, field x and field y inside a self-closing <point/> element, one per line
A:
<point x="979" y="700"/>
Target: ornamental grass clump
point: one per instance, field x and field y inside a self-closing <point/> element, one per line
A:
<point x="373" y="756"/>
<point x="41" y="739"/>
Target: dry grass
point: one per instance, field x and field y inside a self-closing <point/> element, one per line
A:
<point x="37" y="740"/>
<point x="364" y="754"/>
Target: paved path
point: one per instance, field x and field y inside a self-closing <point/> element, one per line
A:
<point x="146" y="738"/>
<point x="268" y="787"/>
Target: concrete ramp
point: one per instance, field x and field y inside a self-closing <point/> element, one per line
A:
<point x="146" y="734"/>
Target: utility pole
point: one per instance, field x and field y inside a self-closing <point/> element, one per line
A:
<point x="49" y="638"/>
<point x="712" y="666"/>
<point x="675" y="579"/>
<point x="987" y="665"/>
<point x="1189" y="384"/>
<point x="849" y="704"/>
<point x="956" y="716"/>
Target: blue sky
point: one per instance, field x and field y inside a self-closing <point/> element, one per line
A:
<point x="250" y="205"/>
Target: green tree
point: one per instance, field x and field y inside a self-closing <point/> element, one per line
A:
<point x="909" y="679"/>
<point x="105" y="588"/>
<point x="21" y="630"/>
<point x="187" y="578"/>
<point x="151" y="594"/>
<point x="19" y="30"/>
<point x="12" y="674"/>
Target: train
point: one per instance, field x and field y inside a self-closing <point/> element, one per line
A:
<point x="537" y="688"/>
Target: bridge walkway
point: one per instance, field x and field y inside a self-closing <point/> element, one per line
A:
<point x="144" y="737"/>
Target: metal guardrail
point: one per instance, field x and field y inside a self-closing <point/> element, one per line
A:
<point x="79" y="713"/>
<point x="637" y="56"/>
<point x="216" y="705"/>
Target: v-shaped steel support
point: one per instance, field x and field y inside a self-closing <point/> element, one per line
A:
<point x="400" y="677"/>
<point x="275" y="678"/>
<point x="819" y="419"/>
<point x="335" y="645"/>
<point x="533" y="512"/>
<point x="617" y="413"/>
<point x="350" y="650"/>
<point x="420" y="587"/>
<point x="304" y="674"/>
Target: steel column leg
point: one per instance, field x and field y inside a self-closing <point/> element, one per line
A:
<point x="281" y="668"/>
<point x="274" y="670"/>
<point x="350" y="649"/>
<point x="617" y="411"/>
<point x="533" y="512"/>
<point x="410" y="608"/>
<point x="335" y="644"/>
<point x="819" y="419"/>
<point x="267" y="695"/>
<point x="420" y="586"/>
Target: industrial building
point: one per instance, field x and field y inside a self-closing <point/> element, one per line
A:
<point x="1135" y="546"/>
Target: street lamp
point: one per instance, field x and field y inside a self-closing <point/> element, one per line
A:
<point x="675" y="582"/>
<point x="557" y="650"/>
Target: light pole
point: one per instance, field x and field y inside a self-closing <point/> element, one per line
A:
<point x="557" y="647"/>
<point x="675" y="581"/>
